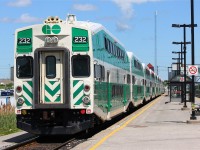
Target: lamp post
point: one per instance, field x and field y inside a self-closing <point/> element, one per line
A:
<point x="178" y="64"/>
<point x="169" y="78"/>
<point x="182" y="52"/>
<point x="181" y="49"/>
<point x="184" y="48"/>
<point x="180" y="58"/>
<point x="193" y="117"/>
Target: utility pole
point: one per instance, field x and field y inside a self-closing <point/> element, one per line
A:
<point x="193" y="117"/>
<point x="156" y="68"/>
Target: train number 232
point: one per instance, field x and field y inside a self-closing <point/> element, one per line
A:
<point x="80" y="39"/>
<point x="24" y="41"/>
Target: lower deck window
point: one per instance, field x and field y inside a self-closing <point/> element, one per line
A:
<point x="81" y="66"/>
<point x="24" y="67"/>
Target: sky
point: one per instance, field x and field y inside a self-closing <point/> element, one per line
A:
<point x="142" y="26"/>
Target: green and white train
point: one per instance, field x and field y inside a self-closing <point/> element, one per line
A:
<point x="71" y="75"/>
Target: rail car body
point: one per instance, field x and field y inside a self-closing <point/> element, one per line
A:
<point x="70" y="75"/>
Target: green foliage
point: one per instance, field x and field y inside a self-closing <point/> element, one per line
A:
<point x="9" y="86"/>
<point x="7" y="120"/>
<point x="2" y="86"/>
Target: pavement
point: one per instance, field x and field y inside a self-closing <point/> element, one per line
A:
<point x="12" y="139"/>
<point x="161" y="125"/>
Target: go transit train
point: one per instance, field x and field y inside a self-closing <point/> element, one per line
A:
<point x="71" y="75"/>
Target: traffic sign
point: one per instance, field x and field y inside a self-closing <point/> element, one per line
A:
<point x="193" y="70"/>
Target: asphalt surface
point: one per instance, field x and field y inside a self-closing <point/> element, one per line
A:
<point x="12" y="139"/>
<point x="161" y="126"/>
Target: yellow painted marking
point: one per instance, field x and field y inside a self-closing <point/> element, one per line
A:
<point x="124" y="125"/>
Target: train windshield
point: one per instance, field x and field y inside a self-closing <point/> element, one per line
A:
<point x="24" y="67"/>
<point x="80" y="66"/>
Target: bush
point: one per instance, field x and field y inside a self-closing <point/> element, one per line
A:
<point x="7" y="120"/>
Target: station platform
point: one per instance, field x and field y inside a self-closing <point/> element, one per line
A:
<point x="15" y="138"/>
<point x="160" y="125"/>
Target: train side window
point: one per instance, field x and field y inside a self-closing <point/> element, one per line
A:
<point x="24" y="67"/>
<point x="105" y="43"/>
<point x="128" y="79"/>
<point x="133" y="79"/>
<point x="102" y="72"/>
<point x="99" y="72"/>
<point x="80" y="66"/>
<point x="50" y="67"/>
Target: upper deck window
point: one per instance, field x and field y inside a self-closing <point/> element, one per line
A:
<point x="24" y="67"/>
<point x="113" y="49"/>
<point x="81" y="66"/>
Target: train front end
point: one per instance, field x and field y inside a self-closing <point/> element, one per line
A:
<point x="54" y="77"/>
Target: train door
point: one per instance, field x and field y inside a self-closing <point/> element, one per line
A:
<point x="51" y="76"/>
<point x="108" y="90"/>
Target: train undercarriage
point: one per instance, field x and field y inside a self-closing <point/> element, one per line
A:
<point x="54" y="122"/>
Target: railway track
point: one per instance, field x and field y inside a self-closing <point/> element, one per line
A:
<point x="48" y="143"/>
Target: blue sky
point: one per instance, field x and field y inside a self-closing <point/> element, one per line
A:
<point x="131" y="21"/>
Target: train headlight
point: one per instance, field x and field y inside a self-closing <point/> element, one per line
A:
<point x="86" y="89"/>
<point x="18" y="90"/>
<point x="20" y="101"/>
<point x="86" y="100"/>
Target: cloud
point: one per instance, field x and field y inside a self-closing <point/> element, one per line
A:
<point x="122" y="26"/>
<point x="24" y="18"/>
<point x="5" y="20"/>
<point x="84" y="7"/>
<point x="126" y="6"/>
<point x="19" y="3"/>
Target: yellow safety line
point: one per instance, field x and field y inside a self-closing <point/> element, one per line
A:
<point x="124" y="125"/>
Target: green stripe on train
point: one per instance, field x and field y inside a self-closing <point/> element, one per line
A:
<point x="27" y="93"/>
<point x="58" y="99"/>
<point x="52" y="92"/>
<point x="27" y="102"/>
<point x="78" y="92"/>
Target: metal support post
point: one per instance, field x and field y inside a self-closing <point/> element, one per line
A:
<point x="184" y="48"/>
<point x="193" y="117"/>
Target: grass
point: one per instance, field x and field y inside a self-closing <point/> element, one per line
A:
<point x="7" y="120"/>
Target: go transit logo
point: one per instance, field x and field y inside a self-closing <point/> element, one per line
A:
<point x="55" y="29"/>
